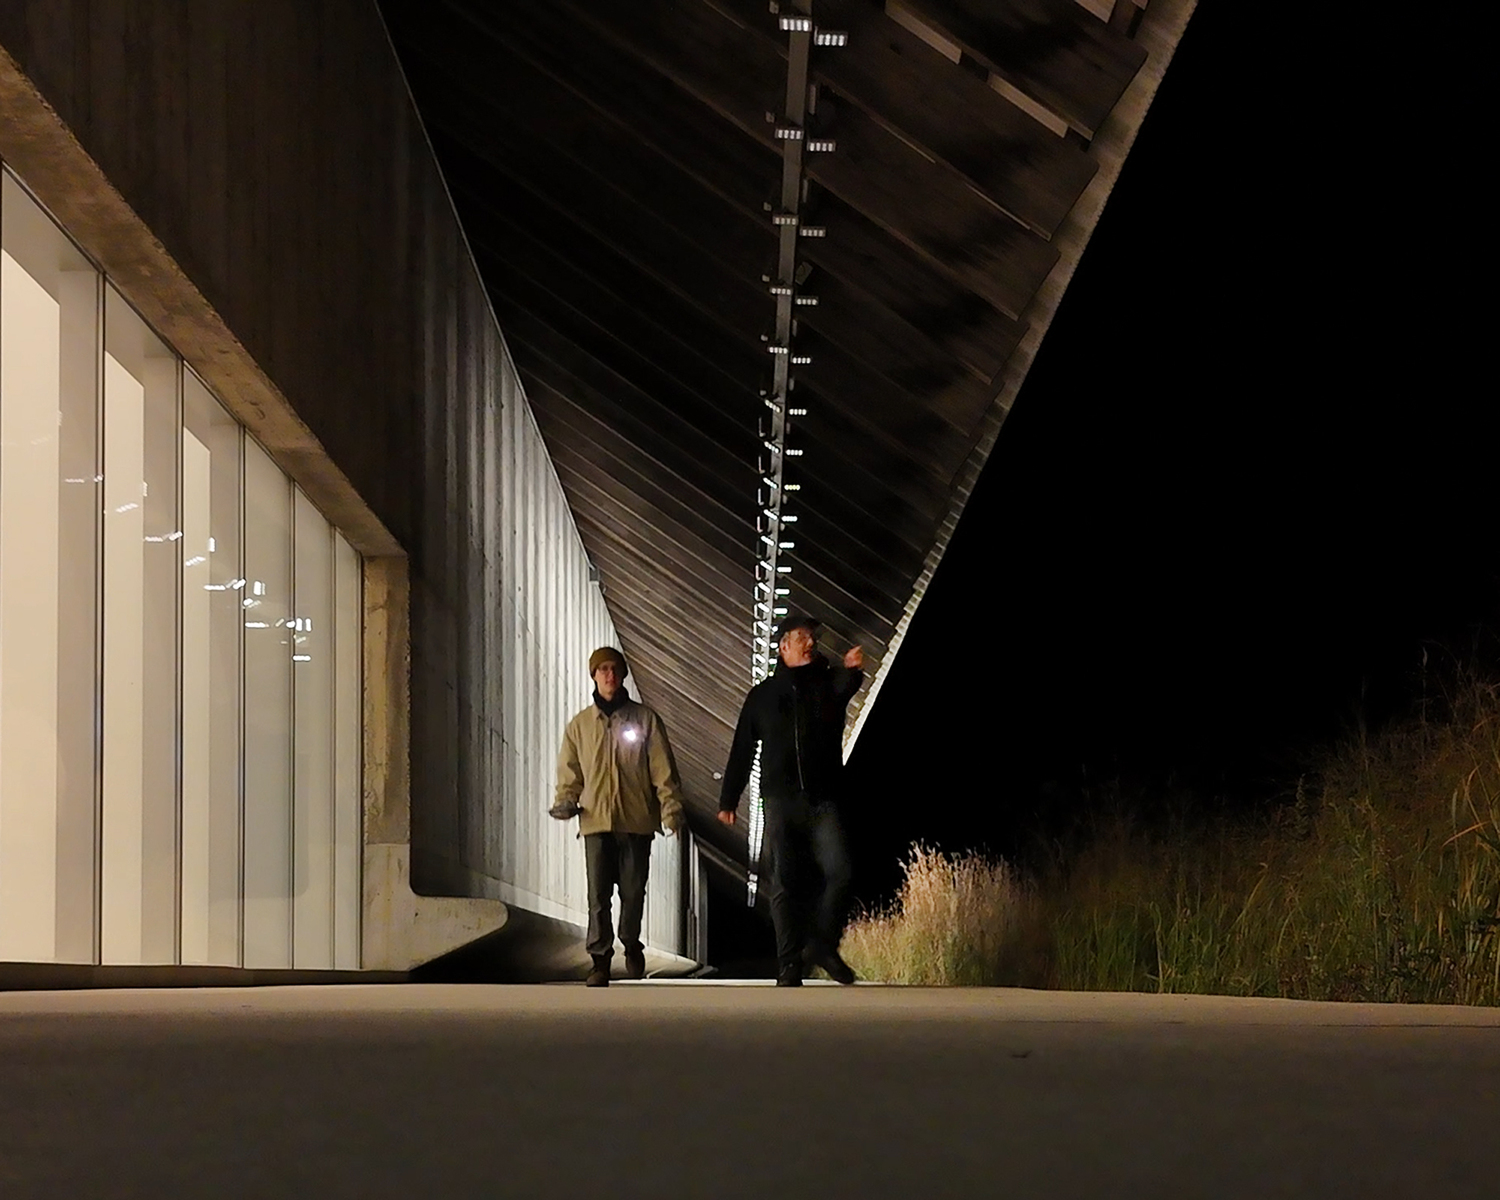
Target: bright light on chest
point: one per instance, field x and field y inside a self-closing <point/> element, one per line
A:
<point x="630" y="734"/>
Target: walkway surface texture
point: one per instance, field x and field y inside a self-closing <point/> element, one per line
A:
<point x="680" y="1089"/>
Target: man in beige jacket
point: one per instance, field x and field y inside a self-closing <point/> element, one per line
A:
<point x="616" y="773"/>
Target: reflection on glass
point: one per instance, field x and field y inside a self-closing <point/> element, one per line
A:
<point x="141" y="587"/>
<point x="312" y="646"/>
<point x="348" y="808"/>
<point x="212" y="628"/>
<point x="180" y="708"/>
<point x="268" y="711"/>
<point x="48" y="531"/>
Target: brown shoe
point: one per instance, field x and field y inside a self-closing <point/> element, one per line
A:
<point x="635" y="964"/>
<point x="599" y="976"/>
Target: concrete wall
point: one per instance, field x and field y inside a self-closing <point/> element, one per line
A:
<point x="271" y="147"/>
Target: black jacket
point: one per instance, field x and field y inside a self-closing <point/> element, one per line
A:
<point x="798" y="717"/>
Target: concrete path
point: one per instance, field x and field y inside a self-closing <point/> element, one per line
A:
<point x="689" y="1090"/>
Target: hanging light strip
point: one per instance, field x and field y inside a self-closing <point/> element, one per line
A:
<point x="795" y="20"/>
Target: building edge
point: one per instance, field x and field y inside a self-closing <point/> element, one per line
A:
<point x="400" y="929"/>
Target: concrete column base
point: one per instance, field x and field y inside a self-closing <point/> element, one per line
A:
<point x="402" y="930"/>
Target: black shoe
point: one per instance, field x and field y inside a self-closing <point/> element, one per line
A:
<point x="635" y="964"/>
<point x="599" y="976"/>
<point x="789" y="977"/>
<point x="838" y="970"/>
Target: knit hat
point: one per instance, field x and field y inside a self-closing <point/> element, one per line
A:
<point x="607" y="654"/>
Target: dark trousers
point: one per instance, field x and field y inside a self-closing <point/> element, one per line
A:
<point x="616" y="860"/>
<point x="810" y="875"/>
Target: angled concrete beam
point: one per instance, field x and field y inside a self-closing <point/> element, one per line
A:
<point x="401" y="929"/>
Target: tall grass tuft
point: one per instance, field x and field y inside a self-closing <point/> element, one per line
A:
<point x="958" y="920"/>
<point x="1380" y="882"/>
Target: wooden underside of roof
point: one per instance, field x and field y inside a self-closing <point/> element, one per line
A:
<point x="614" y="168"/>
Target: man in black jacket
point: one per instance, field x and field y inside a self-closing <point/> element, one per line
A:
<point x="797" y="716"/>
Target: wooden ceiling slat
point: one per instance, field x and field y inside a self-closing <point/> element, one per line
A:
<point x="667" y="560"/>
<point x="640" y="508"/>
<point x="812" y="589"/>
<point x="829" y="547"/>
<point x="920" y="202"/>
<point x="827" y="436"/>
<point x="943" y="110"/>
<point x="851" y="318"/>
<point x="865" y="609"/>
<point x="855" y="525"/>
<point x="721" y="472"/>
<point x="879" y="484"/>
<point x="665" y="333"/>
<point x="903" y="417"/>
<point x="874" y="575"/>
<point x="636" y="570"/>
<point x="867" y="338"/>
<point x="1053" y="50"/>
<point x="651" y="337"/>
<point x="862" y="602"/>
<point x="703" y="146"/>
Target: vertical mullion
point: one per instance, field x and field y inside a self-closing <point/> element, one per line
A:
<point x="332" y="748"/>
<point x="358" y="709"/>
<point x="99" y="468"/>
<point x="177" y="526"/>
<point x="291" y="742"/>
<point x="240" y="574"/>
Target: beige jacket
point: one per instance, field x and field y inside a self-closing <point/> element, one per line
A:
<point x="620" y="772"/>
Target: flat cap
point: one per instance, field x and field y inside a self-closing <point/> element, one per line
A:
<point x="796" y="621"/>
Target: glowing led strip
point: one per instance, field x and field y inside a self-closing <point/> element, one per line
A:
<point x="772" y="585"/>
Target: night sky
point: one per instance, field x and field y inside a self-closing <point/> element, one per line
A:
<point x="1246" y="483"/>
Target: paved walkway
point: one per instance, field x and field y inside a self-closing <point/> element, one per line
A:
<point x="688" y="1090"/>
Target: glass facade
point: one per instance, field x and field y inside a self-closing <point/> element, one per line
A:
<point x="179" y="651"/>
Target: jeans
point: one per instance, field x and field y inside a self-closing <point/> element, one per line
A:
<point x="810" y="875"/>
<point x="616" y="860"/>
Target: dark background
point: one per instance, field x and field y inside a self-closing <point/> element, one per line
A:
<point x="1246" y="485"/>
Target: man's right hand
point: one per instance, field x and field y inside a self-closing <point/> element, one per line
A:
<point x="726" y="815"/>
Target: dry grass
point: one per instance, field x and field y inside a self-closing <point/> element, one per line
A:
<point x="959" y="920"/>
<point x="1380" y="882"/>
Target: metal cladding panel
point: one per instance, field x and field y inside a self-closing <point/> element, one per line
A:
<point x="550" y="618"/>
<point x="504" y="618"/>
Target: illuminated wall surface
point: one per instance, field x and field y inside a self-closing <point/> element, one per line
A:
<point x="548" y="621"/>
<point x="485" y="771"/>
<point x="179" y="652"/>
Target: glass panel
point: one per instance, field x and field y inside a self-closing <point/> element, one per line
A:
<point x="142" y="566"/>
<point x="268" y="712"/>
<point x="49" y="298"/>
<point x="158" y="803"/>
<point x="212" y="630"/>
<point x="313" y="659"/>
<point x="348" y="819"/>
